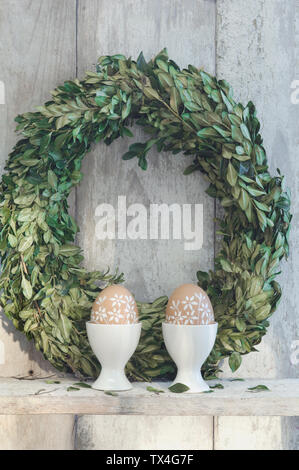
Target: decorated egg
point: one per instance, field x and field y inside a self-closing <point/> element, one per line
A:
<point x="189" y="305"/>
<point x="115" y="305"/>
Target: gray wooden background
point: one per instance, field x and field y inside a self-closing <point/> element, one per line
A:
<point x="255" y="46"/>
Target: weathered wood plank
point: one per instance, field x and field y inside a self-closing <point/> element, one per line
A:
<point x="255" y="49"/>
<point x="37" y="432"/>
<point x="37" y="52"/>
<point x="248" y="433"/>
<point x="256" y="53"/>
<point x="38" y="397"/>
<point x="152" y="268"/>
<point x="145" y="433"/>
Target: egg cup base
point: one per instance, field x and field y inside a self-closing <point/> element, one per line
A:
<point x="110" y="380"/>
<point x="189" y="346"/>
<point x="113" y="346"/>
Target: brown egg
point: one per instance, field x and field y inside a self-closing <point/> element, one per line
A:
<point x="115" y="305"/>
<point x="189" y="305"/>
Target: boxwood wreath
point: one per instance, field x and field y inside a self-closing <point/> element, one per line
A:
<point x="45" y="291"/>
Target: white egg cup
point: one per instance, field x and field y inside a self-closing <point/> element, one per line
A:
<point x="189" y="346"/>
<point x="113" y="345"/>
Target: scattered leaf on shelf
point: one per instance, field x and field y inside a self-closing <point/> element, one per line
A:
<point x="259" y="388"/>
<point x="178" y="388"/>
<point x="155" y="390"/>
<point x="216" y="386"/>
<point x="82" y="385"/>
<point x="43" y="391"/>
<point x="112" y="394"/>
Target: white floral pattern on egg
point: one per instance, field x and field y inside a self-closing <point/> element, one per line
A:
<point x="189" y="305"/>
<point x="115" y="305"/>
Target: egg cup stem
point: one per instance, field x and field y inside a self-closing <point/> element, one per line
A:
<point x="189" y="346"/>
<point x="113" y="345"/>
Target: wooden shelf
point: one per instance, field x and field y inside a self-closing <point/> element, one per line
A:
<point x="22" y="397"/>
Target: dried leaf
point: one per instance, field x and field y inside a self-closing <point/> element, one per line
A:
<point x="178" y="388"/>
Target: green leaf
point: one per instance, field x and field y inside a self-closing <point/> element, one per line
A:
<point x="262" y="219"/>
<point x="60" y="140"/>
<point x="232" y="175"/>
<point x="240" y="324"/>
<point x="175" y="99"/>
<point x="178" y="388"/>
<point x="243" y="199"/>
<point x="220" y="386"/>
<point x="226" y="153"/>
<point x="191" y="106"/>
<point x="165" y="79"/>
<point x="237" y="380"/>
<point x="65" y="326"/>
<point x="207" y="79"/>
<point x="127" y="109"/>
<point x="30" y="162"/>
<point x="141" y="63"/>
<point x="25" y="243"/>
<point x="237" y="134"/>
<point x="27" y="288"/>
<point x="239" y="150"/>
<point x="260" y="155"/>
<point x="221" y="131"/>
<point x="129" y="155"/>
<point x="259" y="388"/>
<point x="262" y="206"/>
<point x="235" y="120"/>
<point x="112" y="394"/>
<point x="245" y="131"/>
<point x="25" y="200"/>
<point x="52" y="179"/>
<point x="151" y="93"/>
<point x="142" y="162"/>
<point x="226" y="266"/>
<point x="241" y="158"/>
<point x="13" y="241"/>
<point x="61" y="122"/>
<point x="82" y="385"/>
<point x="202" y="276"/>
<point x="51" y="382"/>
<point x="235" y="361"/>
<point x="44" y="143"/>
<point x="207" y="133"/>
<point x="226" y="102"/>
<point x="73" y="389"/>
<point x="69" y="250"/>
<point x="252" y="191"/>
<point x="155" y="390"/>
<point x="190" y="169"/>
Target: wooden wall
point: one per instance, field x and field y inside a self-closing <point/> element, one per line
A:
<point x="251" y="44"/>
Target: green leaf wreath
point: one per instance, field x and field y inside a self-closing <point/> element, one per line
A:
<point x="45" y="291"/>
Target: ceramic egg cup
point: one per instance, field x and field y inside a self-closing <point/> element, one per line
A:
<point x="189" y="346"/>
<point x="113" y="345"/>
